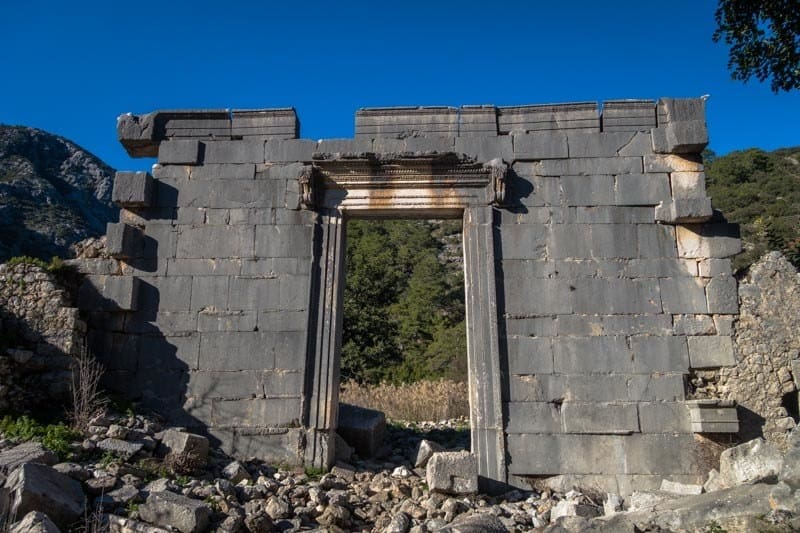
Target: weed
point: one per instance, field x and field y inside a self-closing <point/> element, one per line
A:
<point x="153" y="469"/>
<point x="714" y="527"/>
<point x="314" y="473"/>
<point x="131" y="509"/>
<point x="109" y="458"/>
<point x="54" y="437"/>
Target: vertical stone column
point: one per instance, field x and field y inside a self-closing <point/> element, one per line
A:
<point x="325" y="338"/>
<point x="483" y="354"/>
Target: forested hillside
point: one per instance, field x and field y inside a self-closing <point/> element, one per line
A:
<point x="760" y="191"/>
<point x="403" y="301"/>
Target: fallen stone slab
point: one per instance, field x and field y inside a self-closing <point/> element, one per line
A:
<point x="363" y="429"/>
<point x="117" y="498"/>
<point x="572" y="524"/>
<point x="573" y="508"/>
<point x="790" y="470"/>
<point x="175" y="510"/>
<point x="181" y="443"/>
<point x="692" y="512"/>
<point x="452" y="473"/>
<point x="122" y="448"/>
<point x="476" y="523"/>
<point x="27" y="452"/>
<point x="753" y="461"/>
<point x="684" y="489"/>
<point x="34" y="522"/>
<point x="37" y="487"/>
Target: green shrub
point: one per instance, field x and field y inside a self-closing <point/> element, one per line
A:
<point x="55" y="437"/>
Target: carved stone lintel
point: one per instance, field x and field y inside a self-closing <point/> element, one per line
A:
<point x="306" y="180"/>
<point x="499" y="170"/>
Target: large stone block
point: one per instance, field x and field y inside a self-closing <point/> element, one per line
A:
<point x="673" y="163"/>
<point x="215" y="242"/>
<point x="723" y="297"/>
<point x="540" y="454"/>
<point x="485" y="148"/>
<point x="224" y="171"/>
<point x="616" y="296"/>
<point x="533" y="417"/>
<point x="540" y="145"/>
<point x="37" y="487"/>
<point x="684" y="210"/>
<point x="578" y="116"/>
<point x="209" y="294"/>
<point x="256" y="412"/>
<point x="123" y="241"/>
<point x="182" y="443"/>
<point x="750" y="462"/>
<point x="708" y="240"/>
<point x="530" y="355"/>
<point x="132" y="189"/>
<point x="656" y="240"/>
<point x="523" y="241"/>
<point x="584" y="355"/>
<point x="27" y="452"/>
<point x="180" y="152"/>
<point x="363" y="429"/>
<point x="281" y="123"/>
<point x="664" y="417"/>
<point x="240" y="151"/>
<point x="659" y="354"/>
<point x="685" y="137"/>
<point x="539" y="297"/>
<point x="402" y="122"/>
<point x="452" y="473"/>
<point x="240" y="350"/>
<point x="109" y="293"/>
<point x="683" y="295"/>
<point x="590" y="166"/>
<point x="600" y="418"/>
<point x="605" y="144"/>
<point x="711" y="351"/>
<point x="663" y="454"/>
<point x="628" y="115"/>
<point x="289" y="150"/>
<point x="588" y="190"/>
<point x="172" y="510"/>
<point x="713" y="416"/>
<point x="641" y="189"/>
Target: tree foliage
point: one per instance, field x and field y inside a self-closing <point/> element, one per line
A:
<point x="403" y="304"/>
<point x="760" y="191"/>
<point x="764" y="40"/>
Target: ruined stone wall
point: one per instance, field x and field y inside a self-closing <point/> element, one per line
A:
<point x="767" y="349"/>
<point x="597" y="278"/>
<point x="40" y="332"/>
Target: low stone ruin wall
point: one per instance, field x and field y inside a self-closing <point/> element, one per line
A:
<point x="40" y="332"/>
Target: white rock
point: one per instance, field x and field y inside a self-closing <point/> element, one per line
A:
<point x="684" y="489"/>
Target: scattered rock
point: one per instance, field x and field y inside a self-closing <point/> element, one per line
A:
<point x="122" y="448"/>
<point x="179" y="442"/>
<point x="476" y="523"/>
<point x="34" y="522"/>
<point x="119" y="524"/>
<point x="235" y="472"/>
<point x="453" y="472"/>
<point x="174" y="510"/>
<point x="37" y="487"/>
<point x="27" y="452"/>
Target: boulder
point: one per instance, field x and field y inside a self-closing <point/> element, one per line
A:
<point x="572" y="508"/>
<point x="27" y="452"/>
<point x="235" y="472"/>
<point x="453" y="473"/>
<point x="119" y="524"/>
<point x="790" y="470"/>
<point x="181" y="443"/>
<point x="117" y="498"/>
<point x="37" y="487"/>
<point x="34" y="522"/>
<point x="399" y="524"/>
<point x="476" y="523"/>
<point x="752" y="461"/>
<point x="174" y="510"/>
<point x="122" y="448"/>
<point x="363" y="429"/>
<point x="425" y="450"/>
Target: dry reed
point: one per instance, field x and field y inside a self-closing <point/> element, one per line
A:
<point x="422" y="401"/>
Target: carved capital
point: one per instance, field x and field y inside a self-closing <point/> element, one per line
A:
<point x="499" y="171"/>
<point x="306" y="181"/>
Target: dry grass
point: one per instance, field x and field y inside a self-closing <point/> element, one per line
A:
<point x="87" y="398"/>
<point x="415" y="402"/>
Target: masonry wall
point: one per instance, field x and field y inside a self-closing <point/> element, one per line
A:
<point x="612" y="277"/>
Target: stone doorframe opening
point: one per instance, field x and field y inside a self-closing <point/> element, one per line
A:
<point x="432" y="185"/>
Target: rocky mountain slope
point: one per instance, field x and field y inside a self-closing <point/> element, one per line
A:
<point x="52" y="193"/>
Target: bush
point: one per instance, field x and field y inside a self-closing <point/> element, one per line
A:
<point x="55" y="437"/>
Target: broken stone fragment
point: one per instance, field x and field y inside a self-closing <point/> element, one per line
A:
<point x="363" y="429"/>
<point x="235" y="472"/>
<point x="752" y="461"/>
<point x="453" y="473"/>
<point x="27" y="452"/>
<point x="181" y="443"/>
<point x="34" y="522"/>
<point x="174" y="510"/>
<point x="424" y="452"/>
<point x="37" y="487"/>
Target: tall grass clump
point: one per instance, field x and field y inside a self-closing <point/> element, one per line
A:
<point x="421" y="401"/>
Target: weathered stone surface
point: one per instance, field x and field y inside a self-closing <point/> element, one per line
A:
<point x="680" y="488"/>
<point x="37" y="487"/>
<point x="750" y="462"/>
<point x="453" y="472"/>
<point x="34" y="522"/>
<point x="174" y="510"/>
<point x="182" y="443"/>
<point x="476" y="523"/>
<point x="363" y="429"/>
<point x="125" y="449"/>
<point x="132" y="189"/>
<point x="27" y="452"/>
<point x="425" y="451"/>
<point x="235" y="472"/>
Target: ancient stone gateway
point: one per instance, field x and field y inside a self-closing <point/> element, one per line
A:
<point x="596" y="277"/>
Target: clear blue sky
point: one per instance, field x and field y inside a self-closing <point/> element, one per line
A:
<point x="71" y="67"/>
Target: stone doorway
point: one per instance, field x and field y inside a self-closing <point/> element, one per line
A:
<point x="433" y="186"/>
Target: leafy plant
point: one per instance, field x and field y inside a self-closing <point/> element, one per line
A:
<point x="54" y="437"/>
